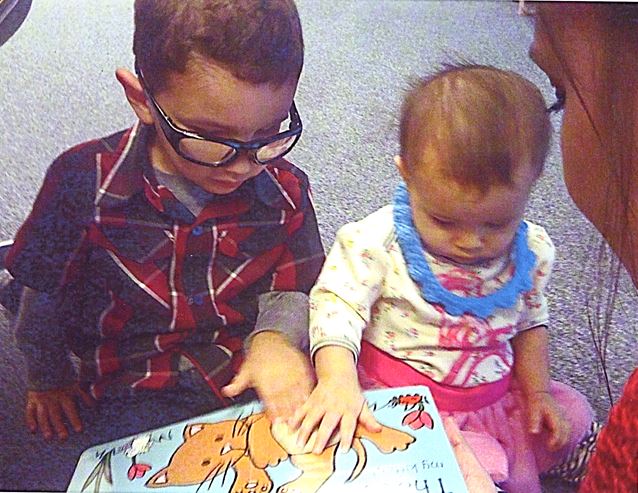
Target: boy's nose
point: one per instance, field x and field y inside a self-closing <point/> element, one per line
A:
<point x="243" y="165"/>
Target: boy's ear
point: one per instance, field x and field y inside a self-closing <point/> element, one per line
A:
<point x="398" y="160"/>
<point x="135" y="95"/>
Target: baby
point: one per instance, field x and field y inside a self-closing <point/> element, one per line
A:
<point x="446" y="286"/>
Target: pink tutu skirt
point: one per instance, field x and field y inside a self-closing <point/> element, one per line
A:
<point x="492" y="419"/>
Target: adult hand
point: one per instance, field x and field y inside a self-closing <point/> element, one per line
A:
<point x="47" y="411"/>
<point x="476" y="478"/>
<point x="280" y="374"/>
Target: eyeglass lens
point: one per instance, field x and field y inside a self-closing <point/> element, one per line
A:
<point x="215" y="152"/>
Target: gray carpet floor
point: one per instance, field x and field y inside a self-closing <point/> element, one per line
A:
<point x="58" y="88"/>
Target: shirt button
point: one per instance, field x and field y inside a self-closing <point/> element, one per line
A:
<point x="198" y="299"/>
<point x="198" y="230"/>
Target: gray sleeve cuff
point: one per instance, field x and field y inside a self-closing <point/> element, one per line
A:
<point x="284" y="312"/>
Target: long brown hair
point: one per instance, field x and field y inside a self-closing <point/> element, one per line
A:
<point x="616" y="131"/>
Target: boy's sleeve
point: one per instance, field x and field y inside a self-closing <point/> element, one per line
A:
<point x="536" y="310"/>
<point x="284" y="308"/>
<point x="350" y="283"/>
<point x="285" y="312"/>
<point x="46" y="246"/>
<point x="41" y="340"/>
<point x="44" y="251"/>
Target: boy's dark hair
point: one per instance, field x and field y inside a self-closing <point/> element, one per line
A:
<point x="482" y="122"/>
<point x="258" y="41"/>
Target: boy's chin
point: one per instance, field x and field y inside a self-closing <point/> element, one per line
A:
<point x="220" y="187"/>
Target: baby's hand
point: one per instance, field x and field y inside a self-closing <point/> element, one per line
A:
<point x="47" y="411"/>
<point x="336" y="402"/>
<point x="542" y="411"/>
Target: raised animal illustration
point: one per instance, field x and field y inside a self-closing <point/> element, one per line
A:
<point x="250" y="445"/>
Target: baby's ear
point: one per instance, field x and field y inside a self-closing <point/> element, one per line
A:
<point x="135" y="94"/>
<point x="400" y="163"/>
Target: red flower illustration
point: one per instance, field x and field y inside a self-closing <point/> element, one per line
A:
<point x="137" y="471"/>
<point x="417" y="420"/>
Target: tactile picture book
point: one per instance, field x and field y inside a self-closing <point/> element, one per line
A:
<point x="238" y="450"/>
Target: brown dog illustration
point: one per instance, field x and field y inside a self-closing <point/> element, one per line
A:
<point x="251" y="444"/>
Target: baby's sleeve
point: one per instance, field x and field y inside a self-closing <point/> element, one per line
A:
<point x="348" y="286"/>
<point x="536" y="310"/>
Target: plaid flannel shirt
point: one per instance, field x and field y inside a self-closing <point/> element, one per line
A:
<point x="140" y="283"/>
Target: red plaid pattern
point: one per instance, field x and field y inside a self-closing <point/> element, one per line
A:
<point x="141" y="281"/>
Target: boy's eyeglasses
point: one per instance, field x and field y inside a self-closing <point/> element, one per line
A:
<point x="213" y="151"/>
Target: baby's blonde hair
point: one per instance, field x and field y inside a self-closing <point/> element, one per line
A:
<point x="481" y="122"/>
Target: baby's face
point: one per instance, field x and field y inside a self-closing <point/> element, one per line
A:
<point x="461" y="223"/>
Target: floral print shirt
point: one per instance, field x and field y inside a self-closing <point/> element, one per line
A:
<point x="365" y="291"/>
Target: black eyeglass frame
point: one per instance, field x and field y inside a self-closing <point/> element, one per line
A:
<point x="174" y="134"/>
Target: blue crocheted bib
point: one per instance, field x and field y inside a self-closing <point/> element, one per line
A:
<point x="432" y="290"/>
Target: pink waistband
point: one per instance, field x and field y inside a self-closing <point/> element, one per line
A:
<point x="389" y="371"/>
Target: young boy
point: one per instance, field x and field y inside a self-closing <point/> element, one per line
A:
<point x="156" y="254"/>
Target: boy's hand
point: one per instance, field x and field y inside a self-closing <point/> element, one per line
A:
<point x="336" y="403"/>
<point x="279" y="372"/>
<point x="48" y="410"/>
<point x="543" y="412"/>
